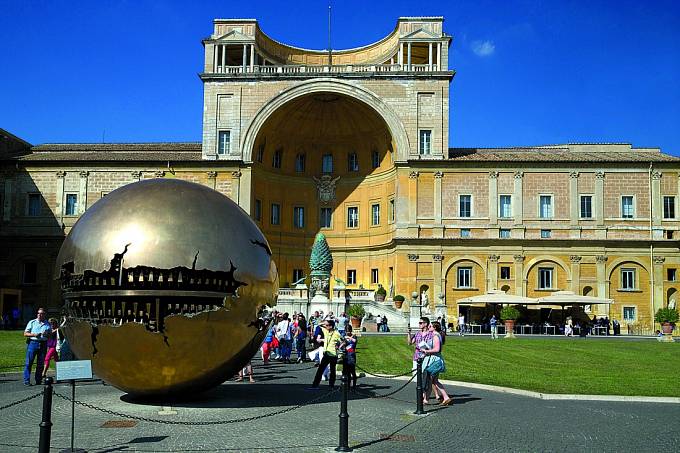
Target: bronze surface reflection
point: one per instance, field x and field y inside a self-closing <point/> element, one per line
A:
<point x="165" y="283"/>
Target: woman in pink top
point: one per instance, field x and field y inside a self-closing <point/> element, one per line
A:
<point x="52" y="341"/>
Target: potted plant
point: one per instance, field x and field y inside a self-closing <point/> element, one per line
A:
<point x="667" y="317"/>
<point x="509" y="315"/>
<point x="356" y="313"/>
<point x="380" y="294"/>
<point x="398" y="301"/>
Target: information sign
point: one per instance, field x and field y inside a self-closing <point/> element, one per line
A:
<point x="74" y="369"/>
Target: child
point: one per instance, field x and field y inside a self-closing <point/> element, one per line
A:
<point x="349" y="368"/>
<point x="52" y="341"/>
<point x="248" y="369"/>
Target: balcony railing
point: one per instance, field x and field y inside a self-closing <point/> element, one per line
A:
<point x="325" y="69"/>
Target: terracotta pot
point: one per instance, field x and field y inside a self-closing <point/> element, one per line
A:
<point x="380" y="298"/>
<point x="509" y="325"/>
<point x="356" y="322"/>
<point x="398" y="304"/>
<point x="667" y="328"/>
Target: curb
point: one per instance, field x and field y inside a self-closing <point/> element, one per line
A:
<point x="559" y="396"/>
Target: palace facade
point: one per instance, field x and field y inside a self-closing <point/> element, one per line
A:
<point x="354" y="144"/>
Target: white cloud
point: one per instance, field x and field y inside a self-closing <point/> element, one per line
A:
<point x="483" y="48"/>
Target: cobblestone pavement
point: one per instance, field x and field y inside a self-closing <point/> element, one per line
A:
<point x="478" y="420"/>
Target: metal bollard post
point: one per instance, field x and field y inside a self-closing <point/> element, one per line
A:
<point x="46" y="423"/>
<point x="343" y="444"/>
<point x="419" y="388"/>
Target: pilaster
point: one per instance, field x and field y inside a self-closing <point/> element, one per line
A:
<point x="59" y="208"/>
<point x="517" y="206"/>
<point x="236" y="188"/>
<point x="599" y="199"/>
<point x="575" y="273"/>
<point x="492" y="272"/>
<point x="573" y="198"/>
<point x="212" y="179"/>
<point x="412" y="203"/>
<point x="246" y="190"/>
<point x="82" y="192"/>
<point x="655" y="202"/>
<point x="438" y="230"/>
<point x="493" y="197"/>
<point x="7" y="200"/>
<point x="437" y="284"/>
<point x="658" y="296"/>
<point x="520" y="289"/>
<point x="602" y="282"/>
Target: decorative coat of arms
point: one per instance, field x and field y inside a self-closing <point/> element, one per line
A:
<point x="326" y="188"/>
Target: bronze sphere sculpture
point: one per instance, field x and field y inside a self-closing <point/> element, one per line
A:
<point x="164" y="284"/>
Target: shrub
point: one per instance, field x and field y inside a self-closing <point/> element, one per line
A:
<point x="399" y="297"/>
<point x="666" y="315"/>
<point x="509" y="313"/>
<point x="356" y="311"/>
<point x="381" y="291"/>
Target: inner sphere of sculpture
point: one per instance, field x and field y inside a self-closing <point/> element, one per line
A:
<point x="165" y="283"/>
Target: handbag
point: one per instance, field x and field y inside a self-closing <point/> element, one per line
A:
<point x="435" y="365"/>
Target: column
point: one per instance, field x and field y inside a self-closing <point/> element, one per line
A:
<point x="429" y="56"/>
<point x="599" y="199"/>
<point x="492" y="272"/>
<point x="212" y="179"/>
<point x="236" y="186"/>
<point x="245" y="54"/>
<point x="575" y="273"/>
<point x="493" y="197"/>
<point x="82" y="192"/>
<point x="400" y="56"/>
<point x="409" y="56"/>
<point x="215" y="57"/>
<point x="412" y="197"/>
<point x="7" y="200"/>
<point x="519" y="275"/>
<point x="602" y="282"/>
<point x="252" y="57"/>
<point x="59" y="208"/>
<point x="224" y="59"/>
<point x="439" y="57"/>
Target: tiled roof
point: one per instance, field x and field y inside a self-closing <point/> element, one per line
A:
<point x="562" y="153"/>
<point x="108" y="152"/>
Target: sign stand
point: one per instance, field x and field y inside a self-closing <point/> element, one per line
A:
<point x="71" y="371"/>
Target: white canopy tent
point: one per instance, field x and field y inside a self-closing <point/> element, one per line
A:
<point x="564" y="298"/>
<point x="496" y="297"/>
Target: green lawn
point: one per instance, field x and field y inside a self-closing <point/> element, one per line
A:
<point x="12" y="350"/>
<point x="597" y="367"/>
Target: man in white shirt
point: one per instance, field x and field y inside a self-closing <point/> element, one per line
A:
<point x="461" y="325"/>
<point x="378" y="322"/>
<point x="36" y="339"/>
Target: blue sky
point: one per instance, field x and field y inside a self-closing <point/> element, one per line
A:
<point x="529" y="72"/>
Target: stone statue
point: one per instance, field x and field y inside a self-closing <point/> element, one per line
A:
<point x="321" y="264"/>
<point x="424" y="300"/>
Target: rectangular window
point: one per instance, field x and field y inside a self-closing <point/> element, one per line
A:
<point x="668" y="207"/>
<point x="669" y="234"/>
<point x="465" y="205"/>
<point x="505" y="206"/>
<point x="391" y="213"/>
<point x="465" y="233"/>
<point x="299" y="217"/>
<point x="671" y="275"/>
<point x="374" y="276"/>
<point x="504" y="233"/>
<point x="546" y="234"/>
<point x="586" y="206"/>
<point x="464" y="275"/>
<point x="627" y="279"/>
<point x="352" y="217"/>
<point x="352" y="162"/>
<point x="30" y="273"/>
<point x="627" y="207"/>
<point x="629" y="314"/>
<point x="351" y="276"/>
<point x="505" y="272"/>
<point x="71" y="204"/>
<point x="258" y="210"/>
<point x="297" y="275"/>
<point x="300" y="163"/>
<point x="276" y="158"/>
<point x="375" y="159"/>
<point x="33" y="204"/>
<point x="545" y="278"/>
<point x="325" y="218"/>
<point x="327" y="163"/>
<point x="276" y="214"/>
<point x="425" y="142"/>
<point x="260" y="153"/>
<point x="223" y="142"/>
<point x="545" y="207"/>
<point x="375" y="214"/>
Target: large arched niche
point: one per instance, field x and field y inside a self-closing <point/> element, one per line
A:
<point x="400" y="143"/>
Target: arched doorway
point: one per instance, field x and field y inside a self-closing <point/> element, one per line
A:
<point x="671" y="297"/>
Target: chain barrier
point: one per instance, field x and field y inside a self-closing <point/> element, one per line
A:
<point x="203" y="423"/>
<point x="387" y="395"/>
<point x="29" y="398"/>
<point x="386" y="376"/>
